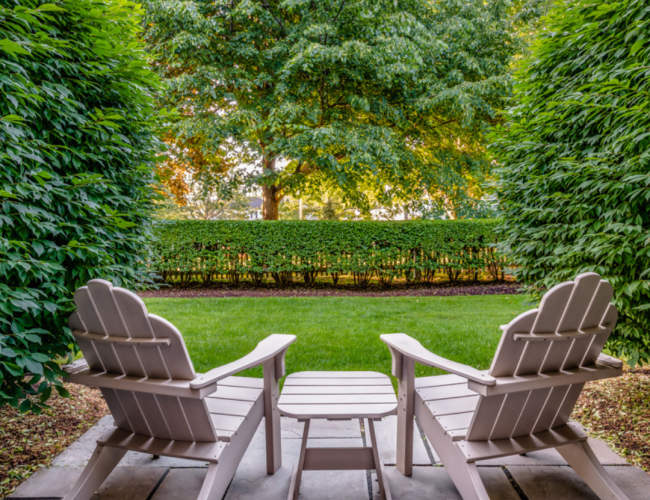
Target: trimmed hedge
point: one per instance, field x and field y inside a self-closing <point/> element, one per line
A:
<point x="415" y="249"/>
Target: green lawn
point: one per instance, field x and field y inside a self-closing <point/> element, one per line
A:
<point x="340" y="333"/>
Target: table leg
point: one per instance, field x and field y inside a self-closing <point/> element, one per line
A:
<point x="379" y="466"/>
<point x="296" y="474"/>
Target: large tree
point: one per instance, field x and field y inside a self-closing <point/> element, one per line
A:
<point x="575" y="155"/>
<point x="385" y="100"/>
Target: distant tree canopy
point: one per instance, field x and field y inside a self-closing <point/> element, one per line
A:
<point x="385" y="101"/>
<point x="574" y="186"/>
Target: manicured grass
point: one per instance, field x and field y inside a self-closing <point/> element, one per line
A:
<point x="340" y="333"/>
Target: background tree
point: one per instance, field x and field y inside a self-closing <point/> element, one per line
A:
<point x="77" y="150"/>
<point x="575" y="156"/>
<point x="386" y="100"/>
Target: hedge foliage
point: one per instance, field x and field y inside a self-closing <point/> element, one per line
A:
<point x="415" y="249"/>
<point x="76" y="169"/>
<point x="575" y="182"/>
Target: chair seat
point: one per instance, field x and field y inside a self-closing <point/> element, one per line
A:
<point x="449" y="401"/>
<point x="232" y="402"/>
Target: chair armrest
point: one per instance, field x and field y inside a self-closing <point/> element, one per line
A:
<point x="409" y="347"/>
<point x="603" y="359"/>
<point x="76" y="366"/>
<point x="268" y="348"/>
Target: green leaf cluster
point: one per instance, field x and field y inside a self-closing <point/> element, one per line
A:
<point x="76" y="169"/>
<point x="385" y="101"/>
<point x="575" y="179"/>
<point x="361" y="248"/>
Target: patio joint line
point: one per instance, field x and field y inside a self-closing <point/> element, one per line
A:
<point x="515" y="484"/>
<point x="157" y="485"/>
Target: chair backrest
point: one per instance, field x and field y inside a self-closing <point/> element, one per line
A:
<point x="105" y="316"/>
<point x="569" y="330"/>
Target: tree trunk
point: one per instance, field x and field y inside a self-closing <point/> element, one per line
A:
<point x="270" y="204"/>
<point x="270" y="195"/>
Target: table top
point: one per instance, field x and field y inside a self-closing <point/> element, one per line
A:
<point x="333" y="395"/>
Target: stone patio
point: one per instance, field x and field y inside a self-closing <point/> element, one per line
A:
<point x="540" y="475"/>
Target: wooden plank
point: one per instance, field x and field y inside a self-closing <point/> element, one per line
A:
<point x="290" y="382"/>
<point x="599" y="305"/>
<point x="552" y="307"/>
<point x="482" y="450"/>
<point x="509" y="415"/>
<point x="534" y="404"/>
<point x="484" y="417"/>
<point x="338" y="411"/>
<point x="226" y="422"/>
<point x="506" y="385"/>
<point x="551" y="408"/>
<point x="199" y="419"/>
<point x="341" y="389"/>
<point x="336" y="398"/>
<point x="439" y="380"/>
<point x="179" y="388"/>
<point x="509" y="352"/>
<point x="584" y="290"/>
<point x="405" y="413"/>
<point x="208" y="452"/>
<point x="250" y="382"/>
<point x="236" y="393"/>
<point x="555" y="337"/>
<point x="228" y="406"/>
<point x="445" y="392"/>
<point x="452" y="406"/>
<point x="116" y="340"/>
<point x="339" y="459"/>
<point x="457" y="421"/>
<point x="176" y="357"/>
<point x="176" y="420"/>
<point x="339" y="374"/>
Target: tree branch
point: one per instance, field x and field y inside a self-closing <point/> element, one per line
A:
<point x="268" y="7"/>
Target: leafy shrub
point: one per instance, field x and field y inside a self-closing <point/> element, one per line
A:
<point x="76" y="143"/>
<point x="389" y="249"/>
<point x="574" y="186"/>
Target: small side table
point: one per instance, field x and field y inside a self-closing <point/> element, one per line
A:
<point x="338" y="396"/>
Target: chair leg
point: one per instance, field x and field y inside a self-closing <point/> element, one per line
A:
<point x="217" y="480"/>
<point x="464" y="475"/>
<point x="581" y="457"/>
<point x="99" y="467"/>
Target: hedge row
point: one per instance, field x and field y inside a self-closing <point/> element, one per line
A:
<point x="414" y="249"/>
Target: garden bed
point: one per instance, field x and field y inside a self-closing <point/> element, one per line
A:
<point x="325" y="289"/>
<point x="30" y="442"/>
<point x="618" y="412"/>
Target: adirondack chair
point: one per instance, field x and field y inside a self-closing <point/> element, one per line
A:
<point x="160" y="405"/>
<point x="524" y="401"/>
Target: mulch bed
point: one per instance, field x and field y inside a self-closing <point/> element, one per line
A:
<point x="29" y="442"/>
<point x="329" y="290"/>
<point x="618" y="411"/>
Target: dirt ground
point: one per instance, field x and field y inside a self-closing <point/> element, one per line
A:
<point x="323" y="289"/>
<point x="618" y="411"/>
<point x="29" y="442"/>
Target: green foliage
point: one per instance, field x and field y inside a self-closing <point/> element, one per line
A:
<point x="360" y="248"/>
<point x="574" y="190"/>
<point x="76" y="166"/>
<point x="385" y="101"/>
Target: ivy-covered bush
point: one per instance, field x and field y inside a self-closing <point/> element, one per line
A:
<point x="575" y="178"/>
<point x="76" y="169"/>
<point x="415" y="249"/>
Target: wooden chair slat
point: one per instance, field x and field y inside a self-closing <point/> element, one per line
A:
<point x="583" y="292"/>
<point x="597" y="344"/>
<point x="199" y="420"/>
<point x="550" y="409"/>
<point x="452" y="406"/>
<point x="509" y="351"/>
<point x="176" y="356"/>
<point x="176" y="420"/>
<point x="564" y="413"/>
<point x="531" y="410"/>
<point x="101" y="292"/>
<point x="118" y="413"/>
<point x="484" y="417"/>
<point x="509" y="415"/>
<point x="132" y="408"/>
<point x="599" y="305"/>
<point x="154" y="415"/>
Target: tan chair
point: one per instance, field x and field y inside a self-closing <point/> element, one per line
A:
<point x="524" y="401"/>
<point x="160" y="405"/>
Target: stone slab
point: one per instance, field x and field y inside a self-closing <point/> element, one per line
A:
<point x="252" y="482"/>
<point x="124" y="483"/>
<point x="79" y="452"/>
<point x="386" y="431"/>
<point x="605" y="455"/>
<point x="552" y="483"/>
<point x="181" y="483"/>
<point x="54" y="482"/>
<point x="291" y="428"/>
<point x="427" y="483"/>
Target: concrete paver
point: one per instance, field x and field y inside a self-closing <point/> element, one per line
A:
<point x="49" y="483"/>
<point x="386" y="431"/>
<point x="561" y="482"/>
<point x="427" y="483"/>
